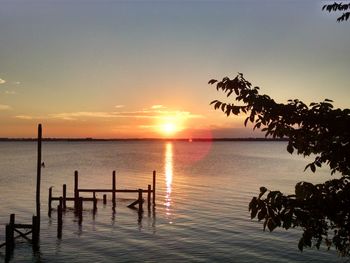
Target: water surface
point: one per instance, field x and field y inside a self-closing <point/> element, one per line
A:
<point x="203" y="191"/>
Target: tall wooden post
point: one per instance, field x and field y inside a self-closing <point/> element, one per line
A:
<point x="154" y="187"/>
<point x="104" y="199"/>
<point x="76" y="192"/>
<point x="113" y="189"/>
<point x="38" y="177"/>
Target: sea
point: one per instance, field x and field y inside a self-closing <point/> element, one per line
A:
<point x="202" y="194"/>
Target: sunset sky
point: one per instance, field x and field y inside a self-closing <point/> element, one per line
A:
<point x="136" y="69"/>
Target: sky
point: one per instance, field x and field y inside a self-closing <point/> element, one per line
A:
<point x="140" y="69"/>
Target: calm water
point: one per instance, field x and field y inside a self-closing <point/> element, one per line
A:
<point x="203" y="191"/>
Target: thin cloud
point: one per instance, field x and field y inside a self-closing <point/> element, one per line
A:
<point x="119" y="106"/>
<point x="24" y="117"/>
<point x="10" y="92"/>
<point x="157" y="106"/>
<point x="76" y="115"/>
<point x="2" y="81"/>
<point x="143" y="114"/>
<point x="5" y="107"/>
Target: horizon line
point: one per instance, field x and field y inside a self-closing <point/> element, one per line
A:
<point x="146" y="139"/>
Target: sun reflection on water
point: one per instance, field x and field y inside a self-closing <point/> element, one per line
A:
<point x="168" y="177"/>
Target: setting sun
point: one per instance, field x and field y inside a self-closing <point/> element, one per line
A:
<point x="168" y="128"/>
<point x="170" y="125"/>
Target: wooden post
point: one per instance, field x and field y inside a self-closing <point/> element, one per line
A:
<point x="12" y="219"/>
<point x="149" y="197"/>
<point x="104" y="199"/>
<point x="38" y="177"/>
<point x="113" y="188"/>
<point x="76" y="192"/>
<point x="49" y="202"/>
<point x="10" y="242"/>
<point x="10" y="237"/>
<point x="154" y="187"/>
<point x="64" y="194"/>
<point x="35" y="232"/>
<point x="95" y="202"/>
<point x="140" y="201"/>
<point x="59" y="220"/>
<point x="80" y="212"/>
<point x="60" y="201"/>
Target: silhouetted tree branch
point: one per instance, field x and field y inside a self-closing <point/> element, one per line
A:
<point x="339" y="7"/>
<point x="322" y="210"/>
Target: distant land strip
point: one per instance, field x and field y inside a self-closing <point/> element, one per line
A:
<point x="147" y="139"/>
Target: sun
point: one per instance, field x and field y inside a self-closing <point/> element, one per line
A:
<point x="168" y="128"/>
<point x="170" y="125"/>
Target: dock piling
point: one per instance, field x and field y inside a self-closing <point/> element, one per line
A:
<point x="59" y="221"/>
<point x="140" y="201"/>
<point x="64" y="195"/>
<point x="80" y="210"/>
<point x="149" y="197"/>
<point x="76" y="192"/>
<point x="35" y="232"/>
<point x="154" y="187"/>
<point x="113" y="189"/>
<point x="95" y="202"/>
<point x="38" y="177"/>
<point x="49" y="202"/>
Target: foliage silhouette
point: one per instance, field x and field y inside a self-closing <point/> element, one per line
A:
<point x="339" y="7"/>
<point x="322" y="211"/>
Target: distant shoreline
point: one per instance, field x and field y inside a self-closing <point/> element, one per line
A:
<point x="143" y="139"/>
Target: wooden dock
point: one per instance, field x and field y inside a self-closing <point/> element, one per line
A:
<point x="25" y="230"/>
<point x="78" y="200"/>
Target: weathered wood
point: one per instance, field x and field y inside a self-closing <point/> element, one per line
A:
<point x="35" y="232"/>
<point x="23" y="226"/>
<point x="49" y="202"/>
<point x="94" y="202"/>
<point x="64" y="196"/>
<point x="38" y="177"/>
<point x="154" y="188"/>
<point x="10" y="242"/>
<point x="89" y="190"/>
<point x="80" y="210"/>
<point x="72" y="198"/>
<point x="149" y="197"/>
<point x="133" y="204"/>
<point x="12" y="219"/>
<point x="23" y="235"/>
<point x="140" y="201"/>
<point x="10" y="228"/>
<point x="59" y="221"/>
<point x="104" y="199"/>
<point x="113" y="189"/>
<point x="76" y="192"/>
